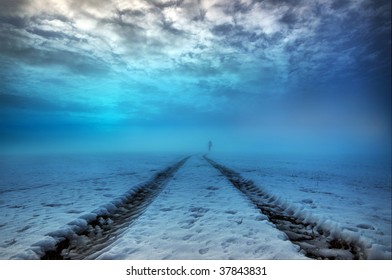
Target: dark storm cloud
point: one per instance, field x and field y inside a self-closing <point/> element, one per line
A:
<point x="15" y="21"/>
<point x="12" y="6"/>
<point x="19" y="37"/>
<point x="51" y="34"/>
<point x="235" y="7"/>
<point x="340" y="4"/>
<point x="75" y="62"/>
<point x="222" y="29"/>
<point x="200" y="15"/>
<point x="166" y="4"/>
<point x="238" y="37"/>
<point x="339" y="43"/>
<point x="291" y="3"/>
<point x="131" y="31"/>
<point x="168" y="26"/>
<point x="131" y="13"/>
<point x="289" y="18"/>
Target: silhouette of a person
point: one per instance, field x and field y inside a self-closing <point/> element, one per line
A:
<point x="209" y="145"/>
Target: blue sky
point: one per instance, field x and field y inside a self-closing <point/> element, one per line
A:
<point x="155" y="75"/>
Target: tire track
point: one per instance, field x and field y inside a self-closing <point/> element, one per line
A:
<point x="93" y="232"/>
<point x="316" y="241"/>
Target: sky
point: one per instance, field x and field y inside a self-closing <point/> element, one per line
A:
<point x="158" y="75"/>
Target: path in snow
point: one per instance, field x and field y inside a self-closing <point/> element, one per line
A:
<point x="199" y="215"/>
<point x="39" y="194"/>
<point x="98" y="230"/>
<point x="202" y="210"/>
<point x="317" y="241"/>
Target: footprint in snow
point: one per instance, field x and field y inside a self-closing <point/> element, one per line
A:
<point x="23" y="229"/>
<point x="365" y="226"/>
<point x="203" y="251"/>
<point x="8" y="243"/>
<point x="187" y="237"/>
<point x="167" y="209"/>
<point x="307" y="201"/>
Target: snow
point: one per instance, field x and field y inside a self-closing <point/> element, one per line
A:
<point x="349" y="195"/>
<point x="39" y="195"/>
<point x="199" y="214"/>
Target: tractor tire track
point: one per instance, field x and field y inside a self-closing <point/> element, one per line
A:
<point x="94" y="232"/>
<point x="316" y="241"/>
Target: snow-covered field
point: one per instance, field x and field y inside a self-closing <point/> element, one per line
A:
<point x="39" y="195"/>
<point x="199" y="214"/>
<point x="350" y="193"/>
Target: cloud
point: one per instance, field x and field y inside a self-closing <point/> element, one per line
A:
<point x="11" y="7"/>
<point x="163" y="4"/>
<point x="202" y="52"/>
<point x="73" y="61"/>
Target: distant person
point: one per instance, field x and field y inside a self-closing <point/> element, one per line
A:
<point x="209" y="145"/>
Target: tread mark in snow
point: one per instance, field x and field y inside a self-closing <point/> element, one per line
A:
<point x="316" y="241"/>
<point x="100" y="230"/>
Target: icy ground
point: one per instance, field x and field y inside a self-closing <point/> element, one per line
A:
<point x="199" y="214"/>
<point x="349" y="193"/>
<point x="42" y="194"/>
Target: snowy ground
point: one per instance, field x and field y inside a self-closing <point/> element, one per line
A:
<point x="39" y="195"/>
<point x="352" y="194"/>
<point x="199" y="214"/>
